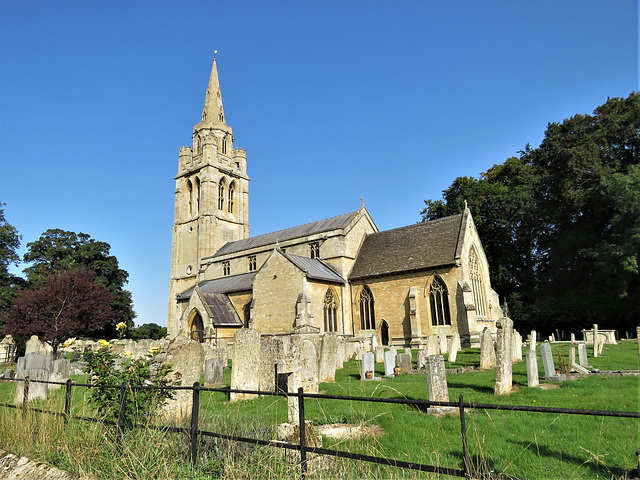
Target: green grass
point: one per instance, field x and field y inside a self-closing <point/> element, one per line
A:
<point x="523" y="444"/>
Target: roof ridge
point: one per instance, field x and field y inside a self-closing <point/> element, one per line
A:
<point x="414" y="225"/>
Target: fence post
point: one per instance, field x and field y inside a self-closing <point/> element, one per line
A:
<point x="120" y="424"/>
<point x="465" y="447"/>
<point x="303" y="432"/>
<point x="195" y="411"/>
<point x="67" y="402"/>
<point x="25" y="395"/>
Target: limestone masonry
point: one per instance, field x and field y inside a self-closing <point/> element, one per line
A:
<point x="337" y="275"/>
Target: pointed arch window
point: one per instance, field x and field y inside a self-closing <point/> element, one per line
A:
<point x="477" y="284"/>
<point x="221" y="195"/>
<point x="189" y="196"/>
<point x="367" y="312"/>
<point x="232" y="189"/>
<point x="439" y="303"/>
<point x="330" y="308"/>
<point x="224" y="144"/>
<point x="196" y="195"/>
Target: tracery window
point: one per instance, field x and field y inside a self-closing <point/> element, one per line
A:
<point x="226" y="268"/>
<point x="252" y="263"/>
<point x="221" y="195"/>
<point x="314" y="250"/>
<point x="232" y="189"/>
<point x="330" y="308"/>
<point x="367" y="313"/>
<point x="477" y="284"/>
<point x="439" y="302"/>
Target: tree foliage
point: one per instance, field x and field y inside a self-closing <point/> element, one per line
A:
<point x="148" y="330"/>
<point x="10" y="285"/>
<point x="561" y="223"/>
<point x="65" y="304"/>
<point x="58" y="250"/>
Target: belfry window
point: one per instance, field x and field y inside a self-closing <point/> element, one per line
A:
<point x="189" y="196"/>
<point x="221" y="195"/>
<point x="477" y="284"/>
<point x="226" y="269"/>
<point x="252" y="263"/>
<point x="439" y="302"/>
<point x="232" y="189"/>
<point x="224" y="145"/>
<point x="314" y="250"/>
<point x="367" y="313"/>
<point x="196" y="194"/>
<point x="330" y="308"/>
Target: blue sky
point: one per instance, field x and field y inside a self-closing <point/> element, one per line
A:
<point x="333" y="101"/>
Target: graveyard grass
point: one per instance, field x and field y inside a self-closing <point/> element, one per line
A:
<point x="521" y="444"/>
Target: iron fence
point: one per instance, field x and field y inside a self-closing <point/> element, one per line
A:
<point x="303" y="448"/>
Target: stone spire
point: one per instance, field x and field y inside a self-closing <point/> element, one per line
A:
<point x="213" y="113"/>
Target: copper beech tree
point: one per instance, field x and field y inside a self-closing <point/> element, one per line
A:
<point x="67" y="304"/>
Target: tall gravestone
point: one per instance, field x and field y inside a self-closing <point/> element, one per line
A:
<point x="38" y="387"/>
<point x="421" y="358"/>
<point x="271" y="351"/>
<point x="487" y="352"/>
<point x="504" y="364"/>
<point x="328" y="357"/>
<point x="595" y="341"/>
<point x="186" y="358"/>
<point x="517" y="346"/>
<point x="454" y="347"/>
<point x="245" y="364"/>
<point x="213" y="372"/>
<point x="583" y="359"/>
<point x="549" y="366"/>
<point x="379" y="354"/>
<point x="389" y="363"/>
<point x="403" y="360"/>
<point x="437" y="384"/>
<point x="533" y="340"/>
<point x="431" y="345"/>
<point x="442" y="341"/>
<point x="368" y="366"/>
<point x="533" y="379"/>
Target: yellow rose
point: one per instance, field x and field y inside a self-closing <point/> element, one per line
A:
<point x="121" y="326"/>
<point x="104" y="343"/>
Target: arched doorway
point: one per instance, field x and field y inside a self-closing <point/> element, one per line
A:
<point x="196" y="328"/>
<point x="384" y="333"/>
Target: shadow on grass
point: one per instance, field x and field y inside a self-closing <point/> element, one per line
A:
<point x="477" y="388"/>
<point x="596" y="464"/>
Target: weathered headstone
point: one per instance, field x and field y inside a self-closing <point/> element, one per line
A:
<point x="36" y="388"/>
<point x="583" y="358"/>
<point x="36" y="346"/>
<point x="328" y="357"/>
<point x="368" y="366"/>
<point x="245" y="364"/>
<point x="533" y="379"/>
<point x="533" y="340"/>
<point x="572" y="354"/>
<point x="186" y="358"/>
<point x="442" y="343"/>
<point x="549" y="366"/>
<point x="432" y="345"/>
<point x="487" y="352"/>
<point x="573" y="338"/>
<point x="7" y="349"/>
<point x="308" y="361"/>
<point x="340" y="356"/>
<point x="60" y="370"/>
<point x="595" y="340"/>
<point x="517" y="346"/>
<point x="271" y="351"/>
<point x="213" y="371"/>
<point x="421" y="358"/>
<point x="504" y="363"/>
<point x="389" y="363"/>
<point x="437" y="384"/>
<point x="403" y="360"/>
<point x="374" y="342"/>
<point x="454" y="347"/>
<point x="379" y="354"/>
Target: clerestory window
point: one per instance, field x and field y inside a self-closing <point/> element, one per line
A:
<point x="314" y="250"/>
<point x="252" y="263"/>
<point x="226" y="268"/>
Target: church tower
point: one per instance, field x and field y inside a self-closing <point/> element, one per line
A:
<point x="211" y="198"/>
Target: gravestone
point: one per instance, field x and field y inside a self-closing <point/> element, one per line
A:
<point x="368" y="366"/>
<point x="60" y="370"/>
<point x="403" y="360"/>
<point x="186" y="358"/>
<point x="517" y="346"/>
<point x="533" y="340"/>
<point x="504" y="362"/>
<point x="379" y="354"/>
<point x="442" y="343"/>
<point x="547" y="363"/>
<point x="340" y="355"/>
<point x="454" y="347"/>
<point x="34" y="345"/>
<point x="389" y="363"/>
<point x="36" y="389"/>
<point x="7" y="349"/>
<point x="533" y="380"/>
<point x="572" y="355"/>
<point x="573" y="338"/>
<point x="583" y="359"/>
<point x="374" y="342"/>
<point x="271" y="351"/>
<point x="213" y="372"/>
<point x="245" y="364"/>
<point x="295" y="372"/>
<point x="431" y="345"/>
<point x="487" y="352"/>
<point x="328" y="357"/>
<point x="437" y="384"/>
<point x="421" y="358"/>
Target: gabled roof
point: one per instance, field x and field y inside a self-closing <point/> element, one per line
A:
<point x="287" y="234"/>
<point x="222" y="312"/>
<point x="315" y="269"/>
<point x="415" y="247"/>
<point x="235" y="283"/>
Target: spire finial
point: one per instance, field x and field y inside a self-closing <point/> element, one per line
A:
<point x="214" y="54"/>
<point x="362" y="201"/>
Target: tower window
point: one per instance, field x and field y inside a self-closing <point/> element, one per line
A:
<point x="252" y="263"/>
<point x="196" y="193"/>
<point x="367" y="314"/>
<point x="314" y="250"/>
<point x="221" y="195"/>
<point x="439" y="302"/>
<point x="224" y="145"/>
<point x="226" y="269"/>
<point x="232" y="188"/>
<point x="189" y="196"/>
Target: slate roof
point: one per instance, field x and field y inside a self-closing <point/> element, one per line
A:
<point x="222" y="311"/>
<point x="235" y="283"/>
<point x="315" y="269"/>
<point x="415" y="247"/>
<point x="287" y="234"/>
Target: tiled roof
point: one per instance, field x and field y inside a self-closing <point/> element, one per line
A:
<point x="315" y="269"/>
<point x="236" y="283"/>
<point x="416" y="247"/>
<point x="223" y="313"/>
<point x="287" y="234"/>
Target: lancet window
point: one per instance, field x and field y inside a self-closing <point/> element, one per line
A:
<point x="330" y="308"/>
<point x="439" y="302"/>
<point x="367" y="312"/>
<point x="221" y="195"/>
<point x="314" y="250"/>
<point x="252" y="263"/>
<point x="226" y="268"/>
<point x="189" y="196"/>
<point x="232" y="189"/>
<point x="477" y="284"/>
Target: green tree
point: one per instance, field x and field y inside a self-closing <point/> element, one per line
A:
<point x="10" y="285"/>
<point x="148" y="330"/>
<point x="58" y="250"/>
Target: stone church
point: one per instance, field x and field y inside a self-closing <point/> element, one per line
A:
<point x="339" y="274"/>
